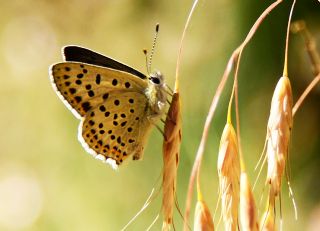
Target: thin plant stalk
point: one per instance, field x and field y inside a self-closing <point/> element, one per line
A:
<point x="214" y="104"/>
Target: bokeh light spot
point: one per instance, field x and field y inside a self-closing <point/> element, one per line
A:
<point x="20" y="199"/>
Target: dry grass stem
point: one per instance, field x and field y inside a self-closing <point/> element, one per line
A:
<point x="202" y="218"/>
<point x="248" y="210"/>
<point x="146" y="204"/>
<point x="171" y="150"/>
<point x="311" y="48"/>
<point x="306" y="92"/>
<point x="229" y="177"/>
<point x="215" y="100"/>
<point x="278" y="133"/>
<point x="310" y="43"/>
<point x="194" y="5"/>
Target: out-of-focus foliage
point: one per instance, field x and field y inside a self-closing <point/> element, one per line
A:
<point x="48" y="182"/>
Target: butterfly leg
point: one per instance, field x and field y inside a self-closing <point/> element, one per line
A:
<point x="171" y="91"/>
<point x="153" y="121"/>
<point x="168" y="90"/>
<point x="160" y="130"/>
<point x="138" y="154"/>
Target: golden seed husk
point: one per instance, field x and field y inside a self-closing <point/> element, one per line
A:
<point x="248" y="210"/>
<point x="229" y="177"/>
<point x="268" y="218"/>
<point x="171" y="150"/>
<point x="202" y="218"/>
<point x="278" y="133"/>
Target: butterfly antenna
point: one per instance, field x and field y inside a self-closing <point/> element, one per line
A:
<point x="153" y="46"/>
<point x="145" y="52"/>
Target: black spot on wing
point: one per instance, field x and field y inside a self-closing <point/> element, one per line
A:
<point x="105" y="96"/>
<point x="98" y="79"/>
<point x="127" y="84"/>
<point x="114" y="82"/>
<point x="91" y="93"/>
<point x="86" y="106"/>
<point x="78" y="99"/>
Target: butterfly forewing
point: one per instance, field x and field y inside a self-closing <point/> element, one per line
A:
<point x="80" y="54"/>
<point x="86" y="86"/>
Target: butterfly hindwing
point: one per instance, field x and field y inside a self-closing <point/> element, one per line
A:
<point x="111" y="104"/>
<point x="85" y="86"/>
<point x="117" y="128"/>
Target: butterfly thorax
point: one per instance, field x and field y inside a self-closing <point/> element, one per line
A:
<point x="156" y="93"/>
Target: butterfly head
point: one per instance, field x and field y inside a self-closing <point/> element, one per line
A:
<point x="156" y="94"/>
<point x="156" y="78"/>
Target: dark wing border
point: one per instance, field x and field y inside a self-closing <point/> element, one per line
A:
<point x="81" y="54"/>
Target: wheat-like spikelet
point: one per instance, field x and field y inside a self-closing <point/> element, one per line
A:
<point x="229" y="174"/>
<point x="202" y="217"/>
<point x="278" y="133"/>
<point x="269" y="221"/>
<point x="248" y="210"/>
<point x="268" y="218"/>
<point x="171" y="150"/>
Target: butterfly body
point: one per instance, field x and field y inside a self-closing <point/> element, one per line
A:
<point x="156" y="94"/>
<point x="117" y="105"/>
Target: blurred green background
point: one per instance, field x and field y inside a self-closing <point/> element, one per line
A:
<point x="48" y="182"/>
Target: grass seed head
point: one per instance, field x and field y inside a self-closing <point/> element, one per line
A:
<point x="278" y="133"/>
<point x="248" y="210"/>
<point x="171" y="150"/>
<point x="268" y="219"/>
<point x="229" y="177"/>
<point x="202" y="218"/>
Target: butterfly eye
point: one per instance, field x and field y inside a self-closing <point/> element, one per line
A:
<point x="155" y="80"/>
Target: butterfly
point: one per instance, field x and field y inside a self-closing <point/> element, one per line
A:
<point x="117" y="105"/>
